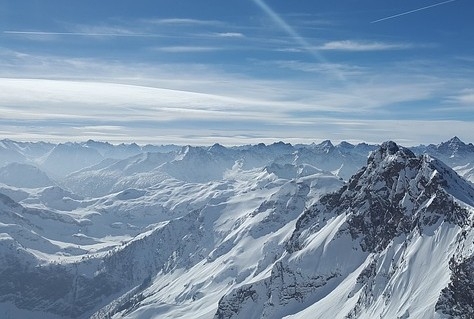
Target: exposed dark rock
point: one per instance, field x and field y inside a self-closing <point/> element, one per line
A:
<point x="457" y="300"/>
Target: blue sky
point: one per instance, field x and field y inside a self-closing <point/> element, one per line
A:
<point x="237" y="71"/>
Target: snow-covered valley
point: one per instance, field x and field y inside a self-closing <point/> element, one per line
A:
<point x="94" y="230"/>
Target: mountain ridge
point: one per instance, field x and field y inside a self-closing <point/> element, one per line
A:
<point x="372" y="229"/>
<point x="272" y="234"/>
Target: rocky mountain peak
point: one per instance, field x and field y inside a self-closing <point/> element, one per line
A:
<point x="325" y="146"/>
<point x="396" y="193"/>
<point x="190" y="152"/>
<point x="345" y="145"/>
<point x="216" y="147"/>
<point x="390" y="147"/>
<point x="453" y="142"/>
<point x="454" y="147"/>
<point x="388" y="152"/>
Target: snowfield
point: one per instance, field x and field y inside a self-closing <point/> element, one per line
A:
<point x="94" y="230"/>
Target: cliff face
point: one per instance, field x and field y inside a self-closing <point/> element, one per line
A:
<point x="457" y="299"/>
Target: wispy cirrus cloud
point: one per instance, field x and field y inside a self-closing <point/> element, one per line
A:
<point x="312" y="67"/>
<point x="141" y="28"/>
<point x="103" y="32"/>
<point x="184" y="22"/>
<point x="230" y="35"/>
<point x="464" y="97"/>
<point x="188" y="49"/>
<point x="361" y="46"/>
<point x="193" y="96"/>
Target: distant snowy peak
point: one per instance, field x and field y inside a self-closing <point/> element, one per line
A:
<point x="345" y="146"/>
<point x="27" y="150"/>
<point x="278" y="148"/>
<point x="218" y="148"/>
<point x="188" y="152"/>
<point x="9" y="155"/>
<point x="455" y="147"/>
<point x="325" y="146"/>
<point x="97" y="145"/>
<point x="455" y="153"/>
<point x="113" y="175"/>
<point x="66" y="158"/>
<point x="24" y="175"/>
<point x="120" y="151"/>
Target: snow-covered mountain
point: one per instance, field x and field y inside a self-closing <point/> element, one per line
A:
<point x="104" y="248"/>
<point x="205" y="164"/>
<point x="24" y="176"/>
<point x="455" y="153"/>
<point x="257" y="231"/>
<point x="386" y="245"/>
<point x="22" y="152"/>
<point x="59" y="160"/>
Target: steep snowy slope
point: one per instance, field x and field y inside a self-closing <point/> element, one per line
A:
<point x="379" y="247"/>
<point x="96" y="250"/>
<point x="111" y="175"/>
<point x="185" y="265"/>
<point x="66" y="158"/>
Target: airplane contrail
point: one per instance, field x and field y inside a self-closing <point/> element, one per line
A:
<point x="412" y="11"/>
<point x="297" y="37"/>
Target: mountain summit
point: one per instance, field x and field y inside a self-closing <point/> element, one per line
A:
<point x="384" y="245"/>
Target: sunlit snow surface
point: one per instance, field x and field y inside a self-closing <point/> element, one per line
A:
<point x="169" y="232"/>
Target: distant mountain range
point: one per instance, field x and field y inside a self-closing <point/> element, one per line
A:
<point x="95" y="230"/>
